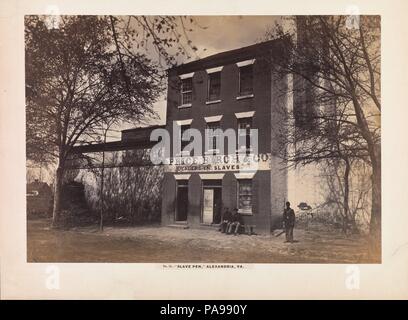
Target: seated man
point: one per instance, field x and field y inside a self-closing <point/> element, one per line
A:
<point x="225" y="220"/>
<point x="236" y="222"/>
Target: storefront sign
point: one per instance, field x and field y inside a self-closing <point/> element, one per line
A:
<point x="234" y="163"/>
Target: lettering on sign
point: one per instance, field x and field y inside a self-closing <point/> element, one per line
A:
<point x="239" y="162"/>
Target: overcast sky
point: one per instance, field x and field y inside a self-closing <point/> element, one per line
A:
<point x="216" y="34"/>
<point x="224" y="33"/>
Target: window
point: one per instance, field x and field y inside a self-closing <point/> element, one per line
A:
<point x="244" y="134"/>
<point x="245" y="80"/>
<point x="213" y="136"/>
<point x="186" y="91"/>
<point x="184" y="143"/>
<point x="214" y="86"/>
<point x="245" y="196"/>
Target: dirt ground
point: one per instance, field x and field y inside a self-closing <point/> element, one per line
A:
<point x="167" y="245"/>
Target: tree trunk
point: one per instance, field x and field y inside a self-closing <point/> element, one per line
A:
<point x="346" y="206"/>
<point x="353" y="225"/>
<point x="375" y="221"/>
<point x="374" y="151"/>
<point x="56" y="212"/>
<point x="102" y="196"/>
<point x="102" y="185"/>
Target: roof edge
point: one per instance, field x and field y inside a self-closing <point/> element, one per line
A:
<point x="225" y="55"/>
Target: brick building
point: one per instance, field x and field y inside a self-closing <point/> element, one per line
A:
<point x="230" y="90"/>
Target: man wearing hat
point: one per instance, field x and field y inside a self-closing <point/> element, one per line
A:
<point x="288" y="222"/>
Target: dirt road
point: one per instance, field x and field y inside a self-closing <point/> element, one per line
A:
<point x="166" y="245"/>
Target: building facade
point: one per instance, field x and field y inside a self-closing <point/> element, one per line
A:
<point x="234" y="90"/>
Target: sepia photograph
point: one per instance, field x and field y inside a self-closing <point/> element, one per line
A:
<point x="203" y="139"/>
<point x="205" y="150"/>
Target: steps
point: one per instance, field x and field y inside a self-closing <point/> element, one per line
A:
<point x="179" y="225"/>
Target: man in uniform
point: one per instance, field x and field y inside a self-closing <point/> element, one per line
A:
<point x="288" y="222"/>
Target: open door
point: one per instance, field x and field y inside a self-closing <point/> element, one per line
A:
<point x="212" y="202"/>
<point x="182" y="201"/>
<point x="208" y="205"/>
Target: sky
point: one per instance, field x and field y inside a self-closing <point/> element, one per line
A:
<point x="224" y="33"/>
<point x="215" y="34"/>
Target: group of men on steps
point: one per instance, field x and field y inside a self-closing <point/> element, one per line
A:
<point x="231" y="222"/>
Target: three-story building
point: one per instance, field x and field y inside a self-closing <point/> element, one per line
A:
<point x="238" y="89"/>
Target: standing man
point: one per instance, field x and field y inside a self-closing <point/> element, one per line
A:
<point x="288" y="222"/>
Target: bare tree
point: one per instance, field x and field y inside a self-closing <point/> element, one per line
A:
<point x="166" y="37"/>
<point x="74" y="81"/>
<point x="131" y="188"/>
<point x="89" y="69"/>
<point x="337" y="103"/>
<point x="353" y="214"/>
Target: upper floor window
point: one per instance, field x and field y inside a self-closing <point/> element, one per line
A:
<point x="184" y="143"/>
<point x="213" y="136"/>
<point x="244" y="134"/>
<point x="186" y="91"/>
<point x="246" y="80"/>
<point x="214" y="86"/>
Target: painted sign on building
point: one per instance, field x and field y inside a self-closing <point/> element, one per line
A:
<point x="234" y="163"/>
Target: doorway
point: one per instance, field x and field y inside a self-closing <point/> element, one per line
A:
<point x="212" y="202"/>
<point x="182" y="201"/>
